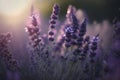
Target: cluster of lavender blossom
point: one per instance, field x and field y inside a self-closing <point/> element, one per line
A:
<point x="5" y="55"/>
<point x="65" y="54"/>
<point x="72" y="57"/>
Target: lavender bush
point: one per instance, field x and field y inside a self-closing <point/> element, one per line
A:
<point x="75" y="56"/>
<point x="72" y="57"/>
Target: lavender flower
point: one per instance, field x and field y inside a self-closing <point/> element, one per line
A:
<point x="81" y="33"/>
<point x="93" y="47"/>
<point x="71" y="27"/>
<point x="82" y="28"/>
<point x="72" y="20"/>
<point x="33" y="29"/>
<point x="68" y="32"/>
<point x="58" y="62"/>
<point x="54" y="17"/>
<point x="6" y="56"/>
<point x="86" y="44"/>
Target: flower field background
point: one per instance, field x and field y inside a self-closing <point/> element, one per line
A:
<point x="71" y="48"/>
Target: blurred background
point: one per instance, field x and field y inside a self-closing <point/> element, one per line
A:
<point x="14" y="11"/>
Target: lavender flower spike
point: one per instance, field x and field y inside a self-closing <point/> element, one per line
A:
<point x="93" y="45"/>
<point x="52" y="22"/>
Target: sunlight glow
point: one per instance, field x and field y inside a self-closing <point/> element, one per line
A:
<point x="12" y="11"/>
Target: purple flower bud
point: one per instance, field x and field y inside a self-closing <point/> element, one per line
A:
<point x="34" y="21"/>
<point x="51" y="33"/>
<point x="52" y="26"/>
<point x="54" y="17"/>
<point x="56" y="12"/>
<point x="56" y="6"/>
<point x="52" y="21"/>
<point x="56" y="9"/>
<point x="51" y="39"/>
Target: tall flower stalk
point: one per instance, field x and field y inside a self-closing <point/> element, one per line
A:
<point x="52" y="22"/>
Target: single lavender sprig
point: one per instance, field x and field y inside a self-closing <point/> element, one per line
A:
<point x="6" y="56"/>
<point x="70" y="27"/>
<point x="85" y="48"/>
<point x="81" y="33"/>
<point x="72" y="20"/>
<point x="52" y="22"/>
<point x="75" y="23"/>
<point x="75" y="29"/>
<point x="93" y="47"/>
<point x="32" y="27"/>
<point x="68" y="31"/>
